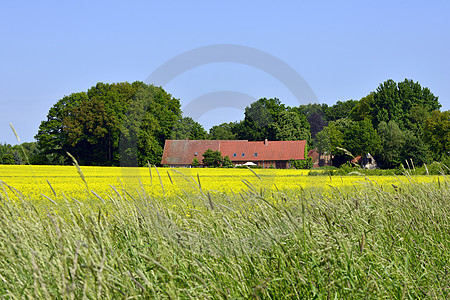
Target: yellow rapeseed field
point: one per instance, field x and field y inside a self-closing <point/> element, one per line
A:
<point x="55" y="182"/>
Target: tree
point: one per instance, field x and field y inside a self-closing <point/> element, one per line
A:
<point x="360" y="137"/>
<point x="330" y="139"/>
<point x="148" y="145"/>
<point x="212" y="158"/>
<point x="139" y="141"/>
<point x="316" y="116"/>
<point x="317" y="123"/>
<point x="227" y="162"/>
<point x="110" y="124"/>
<point x="259" y="119"/>
<point x="195" y="163"/>
<point x="150" y="118"/>
<point x="291" y="126"/>
<point x="270" y="119"/>
<point x="88" y="127"/>
<point x="17" y="157"/>
<point x="313" y="108"/>
<point x="6" y="154"/>
<point x="436" y="133"/>
<point x="223" y="131"/>
<point x="415" y="149"/>
<point x="8" y="159"/>
<point x="416" y="119"/>
<point x="17" y="154"/>
<point x="187" y="128"/>
<point x="393" y="101"/>
<point x="301" y="163"/>
<point x="340" y="110"/>
<point x="363" y="110"/>
<point x="392" y="143"/>
<point x="3" y="151"/>
<point x="51" y="135"/>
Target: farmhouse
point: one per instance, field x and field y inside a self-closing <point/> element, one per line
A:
<point x="366" y="162"/>
<point x="180" y="153"/>
<point x="318" y="159"/>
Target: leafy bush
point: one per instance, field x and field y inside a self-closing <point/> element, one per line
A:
<point x="301" y="163"/>
<point x="227" y="163"/>
<point x="195" y="163"/>
<point x="435" y="168"/>
<point x="212" y="158"/>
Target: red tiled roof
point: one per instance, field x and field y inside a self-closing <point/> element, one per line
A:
<point x="182" y="152"/>
<point x="314" y="155"/>
<point x="357" y="159"/>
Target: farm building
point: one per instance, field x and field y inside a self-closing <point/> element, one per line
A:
<point x="318" y="159"/>
<point x="180" y="153"/>
<point x="366" y="162"/>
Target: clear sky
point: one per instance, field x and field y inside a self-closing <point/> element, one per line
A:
<point x="342" y="49"/>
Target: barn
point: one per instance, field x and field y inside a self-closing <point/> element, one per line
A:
<point x="180" y="153"/>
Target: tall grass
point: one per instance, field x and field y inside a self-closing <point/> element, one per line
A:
<point x="367" y="242"/>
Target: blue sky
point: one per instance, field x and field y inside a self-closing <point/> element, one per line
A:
<point x="343" y="50"/>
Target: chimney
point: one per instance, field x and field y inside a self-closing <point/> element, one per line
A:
<point x="266" y="142"/>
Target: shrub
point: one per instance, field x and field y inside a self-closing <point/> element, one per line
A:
<point x="227" y="163"/>
<point x="195" y="163"/>
<point x="212" y="158"/>
<point x="301" y="163"/>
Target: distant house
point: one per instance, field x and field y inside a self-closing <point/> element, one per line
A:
<point x="315" y="157"/>
<point x="366" y="161"/>
<point x="319" y="160"/>
<point x="180" y="153"/>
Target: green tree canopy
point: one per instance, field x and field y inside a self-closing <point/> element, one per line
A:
<point x="212" y="158"/>
<point x="363" y="109"/>
<point x="25" y="153"/>
<point x="258" y="121"/>
<point x="415" y="149"/>
<point x="393" y="101"/>
<point x="358" y="138"/>
<point x="270" y="119"/>
<point x="361" y="138"/>
<point x="224" y="131"/>
<point x="187" y="128"/>
<point x="392" y="143"/>
<point x="292" y="126"/>
<point x="316" y="114"/>
<point x="227" y="162"/>
<point x="195" y="163"/>
<point x="51" y="135"/>
<point x="330" y="139"/>
<point x="111" y="124"/>
<point x="317" y="123"/>
<point x="437" y="134"/>
<point x="340" y="110"/>
<point x="6" y="154"/>
<point x="313" y="108"/>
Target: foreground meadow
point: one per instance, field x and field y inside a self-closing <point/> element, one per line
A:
<point x="211" y="233"/>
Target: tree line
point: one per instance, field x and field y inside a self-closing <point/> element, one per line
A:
<point x="126" y="124"/>
<point x="397" y="122"/>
